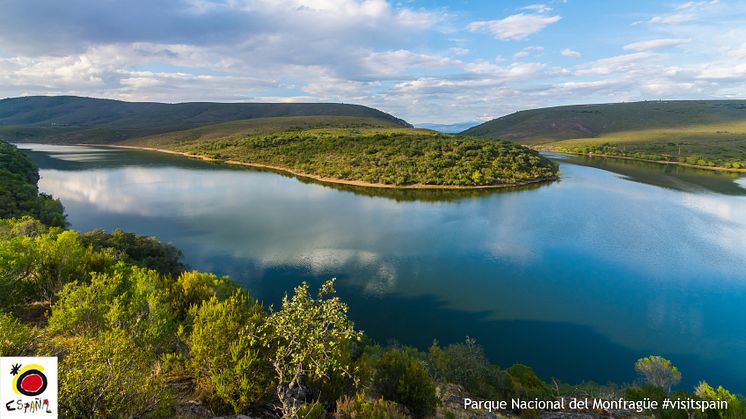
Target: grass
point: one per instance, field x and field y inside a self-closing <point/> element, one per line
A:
<point x="710" y="146"/>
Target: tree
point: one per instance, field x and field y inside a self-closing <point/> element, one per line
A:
<point x="309" y="339"/>
<point x="658" y="371"/>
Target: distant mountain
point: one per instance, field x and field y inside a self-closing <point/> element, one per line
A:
<point x="77" y="119"/>
<point x="448" y="128"/>
<point x="547" y="125"/>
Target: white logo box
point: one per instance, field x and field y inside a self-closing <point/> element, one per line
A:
<point x="28" y="387"/>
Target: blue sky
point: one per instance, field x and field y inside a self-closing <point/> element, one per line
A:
<point x="424" y="61"/>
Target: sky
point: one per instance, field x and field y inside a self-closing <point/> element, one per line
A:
<point x="425" y="61"/>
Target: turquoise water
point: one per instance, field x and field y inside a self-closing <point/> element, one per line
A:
<point x="577" y="278"/>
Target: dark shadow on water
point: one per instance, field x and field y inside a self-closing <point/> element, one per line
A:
<point x="680" y="178"/>
<point x="571" y="352"/>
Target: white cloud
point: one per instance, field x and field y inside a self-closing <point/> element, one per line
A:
<point x="528" y="51"/>
<point x="538" y="8"/>
<point x="615" y="64"/>
<point x="683" y="13"/>
<point x="459" y="51"/>
<point x="567" y="52"/>
<point x="515" y="27"/>
<point x="652" y="44"/>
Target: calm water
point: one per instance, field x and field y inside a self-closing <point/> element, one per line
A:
<point x="577" y="278"/>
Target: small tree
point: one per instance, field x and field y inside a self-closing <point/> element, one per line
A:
<point x="309" y="338"/>
<point x="658" y="371"/>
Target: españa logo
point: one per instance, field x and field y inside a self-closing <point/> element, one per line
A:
<point x="28" y="387"/>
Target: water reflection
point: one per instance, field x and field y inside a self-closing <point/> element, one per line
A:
<point x="577" y="278"/>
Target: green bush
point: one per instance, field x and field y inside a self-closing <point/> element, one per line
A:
<point x="108" y="376"/>
<point x="400" y="376"/>
<point x="359" y="407"/>
<point x="526" y="383"/>
<point x="310" y="340"/>
<point x="129" y="298"/>
<point x="736" y="405"/>
<point x="16" y="338"/>
<point x="229" y="367"/>
<point x="137" y="249"/>
<point x="465" y="364"/>
<point x="40" y="260"/>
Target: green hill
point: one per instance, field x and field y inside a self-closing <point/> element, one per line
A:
<point x="70" y="119"/>
<point x="701" y="133"/>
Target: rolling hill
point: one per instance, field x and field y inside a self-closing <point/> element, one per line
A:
<point x="700" y="133"/>
<point x="70" y="119"/>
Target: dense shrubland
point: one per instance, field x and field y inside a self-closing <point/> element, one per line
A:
<point x="137" y="335"/>
<point x="382" y="155"/>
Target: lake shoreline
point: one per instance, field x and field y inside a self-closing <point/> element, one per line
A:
<point x="674" y="163"/>
<point x="323" y="179"/>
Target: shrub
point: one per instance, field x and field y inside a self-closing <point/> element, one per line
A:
<point x="466" y="365"/>
<point x="108" y="376"/>
<point x="192" y="288"/>
<point x="736" y="406"/>
<point x="401" y="377"/>
<point x="16" y="338"/>
<point x="229" y="368"/>
<point x="359" y="407"/>
<point x="129" y="298"/>
<point x="526" y="383"/>
<point x="310" y="340"/>
<point x="137" y="249"/>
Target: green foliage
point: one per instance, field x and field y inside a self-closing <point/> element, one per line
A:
<point x="16" y="338"/>
<point x="736" y="404"/>
<point x="658" y="394"/>
<point x="19" y="195"/>
<point x="192" y="288"/>
<point x="108" y="376"/>
<point x="358" y="407"/>
<point x="400" y="376"/>
<point x="36" y="262"/>
<point x="384" y="156"/>
<point x="136" y="249"/>
<point x="526" y="383"/>
<point x="309" y="339"/>
<point x="228" y="364"/>
<point x="465" y="364"/>
<point x="129" y="298"/>
<point x="658" y="371"/>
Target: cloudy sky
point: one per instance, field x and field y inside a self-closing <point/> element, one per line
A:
<point x="425" y="61"/>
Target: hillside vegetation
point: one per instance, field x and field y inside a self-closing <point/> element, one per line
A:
<point x="362" y="153"/>
<point x="137" y="335"/>
<point x="70" y="119"/>
<point x="701" y="133"/>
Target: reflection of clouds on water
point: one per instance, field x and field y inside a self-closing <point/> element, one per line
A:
<point x="722" y="223"/>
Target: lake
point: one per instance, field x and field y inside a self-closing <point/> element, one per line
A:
<point x="576" y="278"/>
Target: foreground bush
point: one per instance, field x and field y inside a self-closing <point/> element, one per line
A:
<point x="466" y="365"/>
<point x="228" y="364"/>
<point x="358" y="407"/>
<point x="108" y="376"/>
<point x="16" y="338"/>
<point x="401" y="377"/>
<point x="129" y="298"/>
